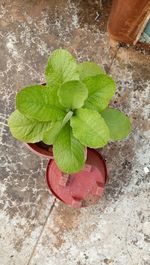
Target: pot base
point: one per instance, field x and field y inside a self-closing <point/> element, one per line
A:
<point x="80" y="189"/>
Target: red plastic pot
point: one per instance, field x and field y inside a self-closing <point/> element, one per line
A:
<point x="41" y="149"/>
<point x="79" y="189"/>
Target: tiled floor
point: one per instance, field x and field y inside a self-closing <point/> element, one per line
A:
<point x="34" y="228"/>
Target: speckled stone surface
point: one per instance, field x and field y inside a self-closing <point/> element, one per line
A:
<point x="35" y="229"/>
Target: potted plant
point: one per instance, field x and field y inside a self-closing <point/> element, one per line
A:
<point x="69" y="113"/>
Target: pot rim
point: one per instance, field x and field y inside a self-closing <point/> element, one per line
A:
<point x="39" y="150"/>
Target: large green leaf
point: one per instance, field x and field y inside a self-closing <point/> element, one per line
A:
<point x="61" y="67"/>
<point x="72" y="94"/>
<point x="118" y="123"/>
<point x="90" y="128"/>
<point x="87" y="69"/>
<point x="68" y="151"/>
<point x="35" y="103"/>
<point x="26" y="130"/>
<point x="51" y="135"/>
<point x="101" y="89"/>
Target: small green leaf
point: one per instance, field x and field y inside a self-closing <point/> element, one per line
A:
<point x="51" y="135"/>
<point x="101" y="89"/>
<point x="61" y="67"/>
<point x="90" y="128"/>
<point x="87" y="69"/>
<point x="35" y="103"/>
<point x="23" y="129"/>
<point x="67" y="118"/>
<point x="72" y="94"/>
<point x="68" y="151"/>
<point x="118" y="123"/>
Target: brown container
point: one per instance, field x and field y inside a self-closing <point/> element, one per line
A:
<point x="128" y="19"/>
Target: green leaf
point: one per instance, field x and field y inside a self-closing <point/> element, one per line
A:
<point x="23" y="129"/>
<point x="35" y="103"/>
<point x="87" y="69"/>
<point x="72" y="94"/>
<point x="118" y="123"/>
<point x="68" y="151"/>
<point x="90" y="128"/>
<point x="101" y="89"/>
<point x="51" y="135"/>
<point x="67" y="118"/>
<point x="61" y="67"/>
<point x="51" y="94"/>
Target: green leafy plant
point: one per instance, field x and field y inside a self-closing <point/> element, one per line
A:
<point x="70" y="112"/>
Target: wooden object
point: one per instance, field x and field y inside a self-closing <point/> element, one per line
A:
<point x="128" y="19"/>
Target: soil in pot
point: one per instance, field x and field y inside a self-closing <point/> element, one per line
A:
<point x="79" y="189"/>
